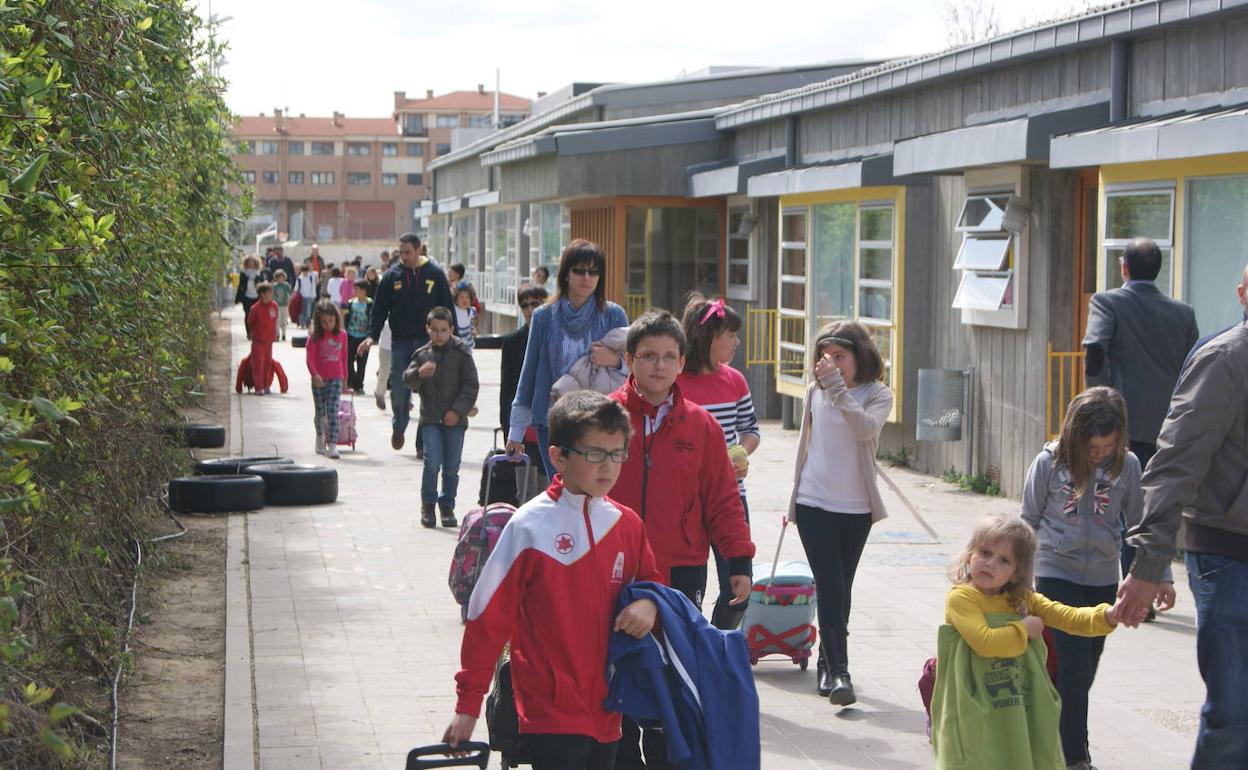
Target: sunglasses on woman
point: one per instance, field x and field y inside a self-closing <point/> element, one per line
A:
<point x="584" y="271"/>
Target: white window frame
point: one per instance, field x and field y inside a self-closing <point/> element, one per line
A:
<point x="787" y="279"/>
<point x="359" y="178"/>
<point x="326" y="177"/>
<point x="446" y="121"/>
<point x="747" y="291"/>
<point x="359" y="149"/>
<point x="389" y="149"/>
<point x="439" y="226"/>
<point x="499" y="286"/>
<point x="290" y="148"/>
<point x="1159" y="187"/>
<point x="389" y="179"/>
<point x="979" y="285"/>
<point x="249" y="177"/>
<point x="276" y="177"/>
<point x="268" y="147"/>
<point x="313" y="145"/>
<point x="537" y="240"/>
<point x="294" y="177"/>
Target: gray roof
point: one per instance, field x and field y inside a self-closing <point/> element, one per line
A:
<point x="1115" y="20"/>
<point x="694" y="88"/>
<point x="1185" y="135"/>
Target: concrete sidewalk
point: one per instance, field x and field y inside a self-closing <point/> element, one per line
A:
<point x="343" y="638"/>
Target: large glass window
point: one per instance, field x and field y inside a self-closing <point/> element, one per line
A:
<point x="1136" y="213"/>
<point x="740" y="278"/>
<point x="389" y="180"/>
<point x="986" y="256"/>
<point x="389" y="149"/>
<point x="322" y="148"/>
<point x="1217" y="248"/>
<point x="358" y="148"/>
<point x="437" y="239"/>
<point x="448" y="121"/>
<point x="270" y="177"/>
<point x="464" y="242"/>
<point x="671" y="250"/>
<point x="294" y="148"/>
<point x="413" y="150"/>
<point x="268" y="148"/>
<point x="550" y="227"/>
<point x="359" y="178"/>
<point x="294" y="177"/>
<point x="502" y="236"/>
<point x="322" y="177"/>
<point x="791" y="357"/>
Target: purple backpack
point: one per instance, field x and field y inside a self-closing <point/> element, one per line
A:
<point x="477" y="536"/>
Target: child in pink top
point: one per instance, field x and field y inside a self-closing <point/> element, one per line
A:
<point x="327" y="362"/>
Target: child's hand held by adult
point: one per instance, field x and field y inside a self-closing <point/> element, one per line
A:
<point x="1034" y="626"/>
<point x="427" y="369"/>
<point x="637" y="619"/>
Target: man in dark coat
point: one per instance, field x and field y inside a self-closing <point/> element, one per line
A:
<point x="1136" y="341"/>
<point x="513" y="346"/>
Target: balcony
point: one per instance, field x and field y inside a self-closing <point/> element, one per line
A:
<point x="415" y="131"/>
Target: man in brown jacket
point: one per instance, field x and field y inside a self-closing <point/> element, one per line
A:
<point x="1200" y="473"/>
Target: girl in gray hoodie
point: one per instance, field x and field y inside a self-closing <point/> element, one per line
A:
<point x="1081" y="491"/>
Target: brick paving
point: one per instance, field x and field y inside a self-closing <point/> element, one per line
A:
<point x="353" y="638"/>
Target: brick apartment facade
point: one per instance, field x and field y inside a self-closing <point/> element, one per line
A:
<point x="340" y="178"/>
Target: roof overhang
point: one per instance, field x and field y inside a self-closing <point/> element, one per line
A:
<point x="447" y="205"/>
<point x="846" y="175"/>
<point x="483" y="198"/>
<point x="608" y="137"/>
<point x="730" y="179"/>
<point x="1020" y="140"/>
<point x="1190" y="135"/>
<point x="423" y="209"/>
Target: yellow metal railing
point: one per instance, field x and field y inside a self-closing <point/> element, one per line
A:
<point x="760" y="336"/>
<point x="635" y="305"/>
<point x="1065" y="381"/>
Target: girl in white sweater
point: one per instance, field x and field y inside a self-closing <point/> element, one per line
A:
<point x="835" y="497"/>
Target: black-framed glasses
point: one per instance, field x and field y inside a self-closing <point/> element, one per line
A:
<point x="583" y="271"/>
<point x="596" y="455"/>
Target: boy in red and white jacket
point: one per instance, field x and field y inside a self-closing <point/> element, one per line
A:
<point x="550" y="587"/>
<point x="262" y="330"/>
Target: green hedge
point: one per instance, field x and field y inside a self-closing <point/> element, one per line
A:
<point x="114" y="169"/>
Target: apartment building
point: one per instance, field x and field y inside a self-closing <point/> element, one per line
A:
<point x="436" y="118"/>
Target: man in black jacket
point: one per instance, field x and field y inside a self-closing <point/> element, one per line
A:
<point x="279" y="261"/>
<point x="406" y="294"/>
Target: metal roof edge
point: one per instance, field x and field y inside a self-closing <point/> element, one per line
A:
<point x="1098" y="24"/>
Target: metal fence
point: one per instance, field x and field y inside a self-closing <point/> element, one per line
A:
<point x="1065" y="381"/>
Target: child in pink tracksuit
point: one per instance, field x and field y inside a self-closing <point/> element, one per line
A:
<point x="327" y="362"/>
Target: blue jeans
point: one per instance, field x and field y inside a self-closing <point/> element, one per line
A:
<point x="444" y="446"/>
<point x="1077" y="660"/>
<point x="1220" y="586"/>
<point x="400" y="396"/>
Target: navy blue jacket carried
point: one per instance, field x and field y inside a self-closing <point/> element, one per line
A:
<point x="405" y="297"/>
<point x="695" y="682"/>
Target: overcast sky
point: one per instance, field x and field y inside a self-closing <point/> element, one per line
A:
<point x="317" y="56"/>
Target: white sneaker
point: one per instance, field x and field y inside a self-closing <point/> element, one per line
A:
<point x="332" y="452"/>
<point x="320" y="446"/>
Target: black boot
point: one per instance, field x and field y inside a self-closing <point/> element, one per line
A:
<point x="842" y="693"/>
<point x="427" y="518"/>
<point x="448" y="516"/>
<point x="824" y="679"/>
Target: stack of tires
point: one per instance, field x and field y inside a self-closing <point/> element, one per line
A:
<point x="231" y="484"/>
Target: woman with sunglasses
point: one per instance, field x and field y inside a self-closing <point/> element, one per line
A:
<point x="568" y="326"/>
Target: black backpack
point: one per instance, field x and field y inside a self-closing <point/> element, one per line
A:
<point x="502" y="720"/>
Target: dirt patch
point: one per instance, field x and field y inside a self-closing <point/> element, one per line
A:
<point x="173" y="701"/>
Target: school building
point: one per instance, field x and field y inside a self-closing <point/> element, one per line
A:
<point x="964" y="205"/>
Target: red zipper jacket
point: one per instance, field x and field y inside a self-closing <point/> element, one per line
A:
<point x="550" y="586"/>
<point x="681" y="482"/>
<point x="262" y="321"/>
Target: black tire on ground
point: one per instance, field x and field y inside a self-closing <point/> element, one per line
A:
<point x="216" y="494"/>
<point x="197" y="435"/>
<point x="235" y="465"/>
<point x="300" y="341"/>
<point x="296" y="484"/>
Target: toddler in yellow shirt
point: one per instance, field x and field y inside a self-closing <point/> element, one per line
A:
<point x="993" y="705"/>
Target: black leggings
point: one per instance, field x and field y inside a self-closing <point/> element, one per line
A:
<point x="833" y="544"/>
<point x="570" y="752"/>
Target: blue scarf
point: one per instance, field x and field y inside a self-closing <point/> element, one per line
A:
<point x="572" y="333"/>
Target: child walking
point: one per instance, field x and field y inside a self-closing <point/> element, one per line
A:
<point x="835" y="496"/>
<point x="359" y="320"/>
<point x="993" y="705"/>
<point x="383" y="367"/>
<point x="306" y="286"/>
<point x="443" y="373"/>
<point x="281" y="295"/>
<point x="711" y="327"/>
<point x="262" y="325"/>
<point x="1080" y="492"/>
<point x="327" y="361"/>
<point x="550" y="587"/>
<point x="465" y="316"/>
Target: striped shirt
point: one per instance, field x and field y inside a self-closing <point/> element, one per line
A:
<point x="726" y="395"/>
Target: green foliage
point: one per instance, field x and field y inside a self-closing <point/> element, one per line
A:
<point x="979" y="483"/>
<point x="114" y="176"/>
<point x="900" y="459"/>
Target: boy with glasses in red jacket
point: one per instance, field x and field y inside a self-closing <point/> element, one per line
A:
<point x="681" y="482"/>
<point x="550" y="587"/>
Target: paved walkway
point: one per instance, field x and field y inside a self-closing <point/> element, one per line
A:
<point x="343" y="638"/>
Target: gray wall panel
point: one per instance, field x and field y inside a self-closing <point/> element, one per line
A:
<point x="462" y="178"/>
